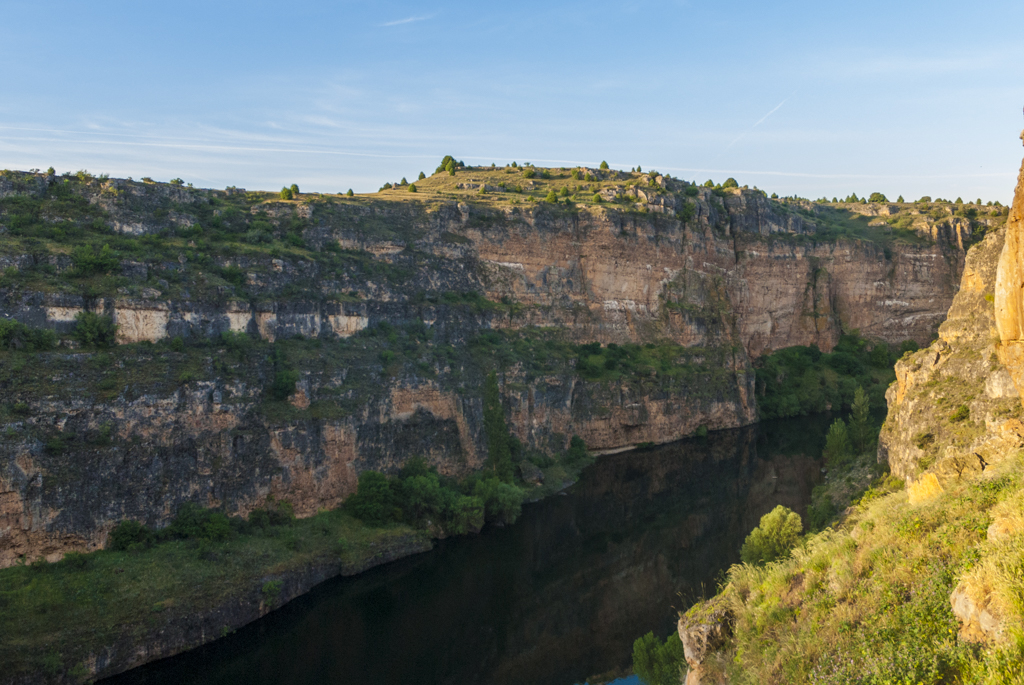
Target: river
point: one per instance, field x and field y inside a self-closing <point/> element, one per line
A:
<point x="555" y="599"/>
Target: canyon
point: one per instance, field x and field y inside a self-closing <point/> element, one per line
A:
<point x="719" y="276"/>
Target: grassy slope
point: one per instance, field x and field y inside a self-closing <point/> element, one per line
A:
<point x="869" y="602"/>
<point x="57" y="616"/>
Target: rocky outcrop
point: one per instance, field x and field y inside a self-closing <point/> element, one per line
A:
<point x="1009" y="291"/>
<point x="704" y="630"/>
<point x="952" y="410"/>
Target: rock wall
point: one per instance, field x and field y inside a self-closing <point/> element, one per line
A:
<point x="741" y="278"/>
<point x="955" y="406"/>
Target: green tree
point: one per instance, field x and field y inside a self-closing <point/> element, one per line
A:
<point x="656" y="662"/>
<point x="502" y="501"/>
<point x="286" y="193"/>
<point x="88" y="260"/>
<point x="860" y="421"/>
<point x="15" y="335"/>
<point x="529" y="173"/>
<point x="498" y="452"/>
<point x="552" y="196"/>
<point x="776" y="535"/>
<point x="421" y="176"/>
<point x="295" y="190"/>
<point x="604" y="165"/>
<point x="403" y="182"/>
<point x="374" y="502"/>
<point x="93" y="330"/>
<point x="899" y="199"/>
<point x="597" y="198"/>
<point x="350" y="193"/>
<point x="837" y="444"/>
<point x="878" y="197"/>
<point x="730" y="183"/>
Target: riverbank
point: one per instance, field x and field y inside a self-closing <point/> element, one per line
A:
<point x="95" y="615"/>
<point x="91" y="616"/>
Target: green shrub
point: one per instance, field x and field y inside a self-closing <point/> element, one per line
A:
<point x="730" y="183"/>
<point x="597" y="198"/>
<point x="412" y="187"/>
<point x="93" y="330"/>
<point x="421" y="176"/>
<point x="656" y="662"/>
<point x="552" y="196"/>
<point x="15" y="335"/>
<point x="295" y="190"/>
<point x="373" y="502"/>
<point x="577" y="450"/>
<point x="878" y="197"/>
<point x="286" y="194"/>
<point x="284" y="384"/>
<point x="773" y="539"/>
<point x="127" y="534"/>
<point x="961" y="413"/>
<point x="502" y="502"/>
<point x="194" y="522"/>
<point x="604" y="165"/>
<point x="529" y="173"/>
<point x="89" y="261"/>
<point x="349" y="193"/>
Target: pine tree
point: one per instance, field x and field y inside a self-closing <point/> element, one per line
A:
<point x="604" y="165"/>
<point x="295" y="190"/>
<point x="837" y="444"/>
<point x="350" y="193"/>
<point x="498" y="452"/>
<point x="286" y="193"/>
<point x="860" y="426"/>
<point x="421" y="176"/>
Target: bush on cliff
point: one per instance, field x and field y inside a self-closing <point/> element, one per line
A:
<point x="195" y="522"/>
<point x="15" y="335"/>
<point x="776" y="535"/>
<point x="128" y="535"/>
<point x="373" y="503"/>
<point x="93" y="330"/>
<point x="656" y="662"/>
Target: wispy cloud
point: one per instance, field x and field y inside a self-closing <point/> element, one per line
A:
<point x="407" y="20"/>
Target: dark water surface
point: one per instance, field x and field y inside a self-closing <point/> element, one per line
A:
<point x="554" y="599"/>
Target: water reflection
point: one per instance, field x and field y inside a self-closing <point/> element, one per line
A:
<point x="554" y="599"/>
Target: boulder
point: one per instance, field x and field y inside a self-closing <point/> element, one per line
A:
<point x="979" y="622"/>
<point x="529" y="472"/>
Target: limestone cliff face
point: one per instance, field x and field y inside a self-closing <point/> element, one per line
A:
<point x="1009" y="290"/>
<point x="743" y="276"/>
<point x="923" y="430"/>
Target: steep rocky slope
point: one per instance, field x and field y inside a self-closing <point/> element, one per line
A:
<point x="389" y="310"/>
<point x="923" y="584"/>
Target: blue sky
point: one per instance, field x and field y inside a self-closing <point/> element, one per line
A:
<point x="812" y="98"/>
